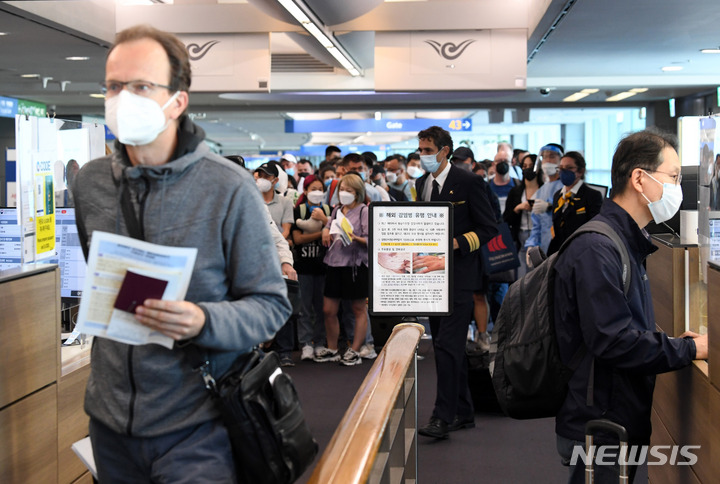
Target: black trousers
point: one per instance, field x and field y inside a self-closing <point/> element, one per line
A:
<point x="449" y="335"/>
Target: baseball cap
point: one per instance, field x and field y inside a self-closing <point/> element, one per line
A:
<point x="289" y="157"/>
<point x="269" y="168"/>
<point x="462" y="153"/>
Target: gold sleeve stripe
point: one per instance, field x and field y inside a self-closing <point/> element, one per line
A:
<point x="472" y="240"/>
<point x="476" y="239"/>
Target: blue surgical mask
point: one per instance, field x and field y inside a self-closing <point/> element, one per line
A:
<point x="363" y="175"/>
<point x="290" y="172"/>
<point x="430" y="163"/>
<point x="567" y="177"/>
<point x="328" y="182"/>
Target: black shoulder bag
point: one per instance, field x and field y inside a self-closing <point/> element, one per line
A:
<point x="271" y="442"/>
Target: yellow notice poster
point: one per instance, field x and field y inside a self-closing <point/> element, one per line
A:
<point x="45" y="209"/>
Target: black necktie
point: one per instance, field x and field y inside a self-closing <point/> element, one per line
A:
<point x="435" y="191"/>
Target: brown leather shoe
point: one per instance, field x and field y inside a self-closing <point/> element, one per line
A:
<point x="436" y="428"/>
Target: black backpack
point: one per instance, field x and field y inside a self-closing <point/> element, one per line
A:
<point x="529" y="378"/>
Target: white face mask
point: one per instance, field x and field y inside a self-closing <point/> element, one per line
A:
<point x="315" y="197"/>
<point x="430" y="163"/>
<point x="136" y="120"/>
<point x="346" y="198"/>
<point x="415" y="171"/>
<point x="391" y="177"/>
<point x="263" y="185"/>
<point x="550" y="169"/>
<point x="669" y="203"/>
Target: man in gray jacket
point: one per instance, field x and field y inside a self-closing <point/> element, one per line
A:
<point x="151" y="419"/>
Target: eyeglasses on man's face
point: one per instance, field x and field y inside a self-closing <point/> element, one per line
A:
<point x="676" y="178"/>
<point x="139" y="87"/>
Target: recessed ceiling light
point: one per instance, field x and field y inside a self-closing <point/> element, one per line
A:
<point x="580" y="95"/>
<point x="77" y="58"/>
<point x="672" y="68"/>
<point x="30" y="76"/>
<point x="710" y="51"/>
<point x="620" y="96"/>
<point x="3" y="33"/>
<point x="98" y="96"/>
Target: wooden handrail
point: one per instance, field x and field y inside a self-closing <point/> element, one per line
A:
<point x="353" y="448"/>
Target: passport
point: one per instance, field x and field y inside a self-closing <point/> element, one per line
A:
<point x="136" y="288"/>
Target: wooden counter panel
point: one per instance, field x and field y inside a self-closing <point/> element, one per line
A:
<point x="667" y="474"/>
<point x="687" y="405"/>
<point x="84" y="479"/>
<point x="666" y="271"/>
<point x="713" y="290"/>
<point x="72" y="423"/>
<point x="27" y="455"/>
<point x="30" y="335"/>
<point x="678" y="412"/>
<point x="713" y="429"/>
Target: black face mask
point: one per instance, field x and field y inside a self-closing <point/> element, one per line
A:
<point x="529" y="174"/>
<point x="502" y="168"/>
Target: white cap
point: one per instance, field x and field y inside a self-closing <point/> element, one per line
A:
<point x="289" y="157"/>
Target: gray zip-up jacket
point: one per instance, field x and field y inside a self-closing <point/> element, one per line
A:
<point x="197" y="200"/>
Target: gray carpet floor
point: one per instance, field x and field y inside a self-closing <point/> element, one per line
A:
<point x="497" y="450"/>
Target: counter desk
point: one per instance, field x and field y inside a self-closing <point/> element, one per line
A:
<point x="42" y="385"/>
<point x="686" y="404"/>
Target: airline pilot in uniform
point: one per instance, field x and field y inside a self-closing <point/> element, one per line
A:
<point x="473" y="226"/>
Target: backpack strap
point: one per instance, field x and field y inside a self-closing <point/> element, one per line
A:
<point x="600" y="227"/>
<point x="332" y="188"/>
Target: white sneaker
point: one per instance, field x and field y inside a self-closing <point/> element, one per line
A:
<point x="351" y="358"/>
<point x="368" y="352"/>
<point x="308" y="352"/>
<point x="326" y="354"/>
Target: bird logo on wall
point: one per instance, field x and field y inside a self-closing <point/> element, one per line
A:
<point x="449" y="50"/>
<point x="197" y="52"/>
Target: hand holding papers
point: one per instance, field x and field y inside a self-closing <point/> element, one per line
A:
<point x="342" y="228"/>
<point x="122" y="273"/>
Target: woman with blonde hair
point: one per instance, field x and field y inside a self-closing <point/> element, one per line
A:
<point x="347" y="271"/>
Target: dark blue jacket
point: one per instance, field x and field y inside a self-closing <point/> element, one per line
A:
<point x="620" y="333"/>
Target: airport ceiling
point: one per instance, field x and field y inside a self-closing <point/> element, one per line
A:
<point x="608" y="45"/>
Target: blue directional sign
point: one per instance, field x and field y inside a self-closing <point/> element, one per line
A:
<point x="373" y="125"/>
<point x="8" y="107"/>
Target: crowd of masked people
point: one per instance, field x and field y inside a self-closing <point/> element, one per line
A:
<point x="541" y="197"/>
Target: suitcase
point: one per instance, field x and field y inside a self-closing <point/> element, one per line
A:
<point x="479" y="379"/>
<point x="605" y="425"/>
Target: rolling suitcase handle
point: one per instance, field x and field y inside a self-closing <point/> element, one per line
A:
<point x="595" y="425"/>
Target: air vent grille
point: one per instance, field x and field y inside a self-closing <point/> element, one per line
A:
<point x="298" y="63"/>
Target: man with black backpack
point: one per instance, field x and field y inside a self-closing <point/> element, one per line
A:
<point x="607" y="332"/>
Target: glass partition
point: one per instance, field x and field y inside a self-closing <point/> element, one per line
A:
<point x="49" y="152"/>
